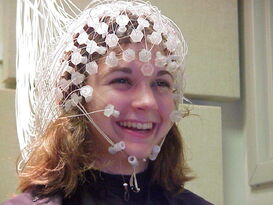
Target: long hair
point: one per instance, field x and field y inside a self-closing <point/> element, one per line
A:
<point x="170" y="169"/>
<point x="61" y="156"/>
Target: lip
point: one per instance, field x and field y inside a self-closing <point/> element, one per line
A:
<point x="136" y="134"/>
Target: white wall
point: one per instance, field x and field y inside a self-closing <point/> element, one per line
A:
<point x="256" y="64"/>
<point x="7" y="43"/>
<point x="1" y="43"/>
<point x="234" y="151"/>
<point x="234" y="148"/>
<point x="237" y="117"/>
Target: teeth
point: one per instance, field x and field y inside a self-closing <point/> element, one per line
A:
<point x="139" y="126"/>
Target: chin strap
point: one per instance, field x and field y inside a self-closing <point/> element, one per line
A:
<point x="133" y="182"/>
<point x="126" y="195"/>
<point x="133" y="179"/>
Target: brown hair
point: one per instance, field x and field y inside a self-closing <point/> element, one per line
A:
<point x="62" y="155"/>
<point x="59" y="158"/>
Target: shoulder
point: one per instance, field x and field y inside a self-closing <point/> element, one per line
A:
<point x="27" y="198"/>
<point x="21" y="199"/>
<point x="188" y="198"/>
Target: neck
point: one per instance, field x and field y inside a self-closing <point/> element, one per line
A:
<point x="118" y="164"/>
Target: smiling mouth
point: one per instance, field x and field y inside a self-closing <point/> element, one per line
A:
<point x="137" y="126"/>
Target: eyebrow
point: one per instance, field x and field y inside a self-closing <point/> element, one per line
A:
<point x="129" y="71"/>
<point x="122" y="69"/>
<point x="164" y="72"/>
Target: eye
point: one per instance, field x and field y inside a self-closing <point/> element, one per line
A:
<point x="162" y="83"/>
<point x="121" y="81"/>
<point x="162" y="86"/>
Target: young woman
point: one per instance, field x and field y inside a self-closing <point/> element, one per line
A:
<point x="108" y="134"/>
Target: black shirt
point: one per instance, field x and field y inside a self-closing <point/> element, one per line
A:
<point x="109" y="189"/>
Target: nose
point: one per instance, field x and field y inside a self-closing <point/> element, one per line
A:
<point x="144" y="98"/>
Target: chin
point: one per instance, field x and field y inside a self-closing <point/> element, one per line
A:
<point x="139" y="151"/>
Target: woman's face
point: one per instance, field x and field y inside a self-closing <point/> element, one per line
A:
<point x="144" y="103"/>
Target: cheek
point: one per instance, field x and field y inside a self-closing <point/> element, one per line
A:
<point x="103" y="98"/>
<point x="119" y="99"/>
<point x="166" y="106"/>
<point x="100" y="99"/>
